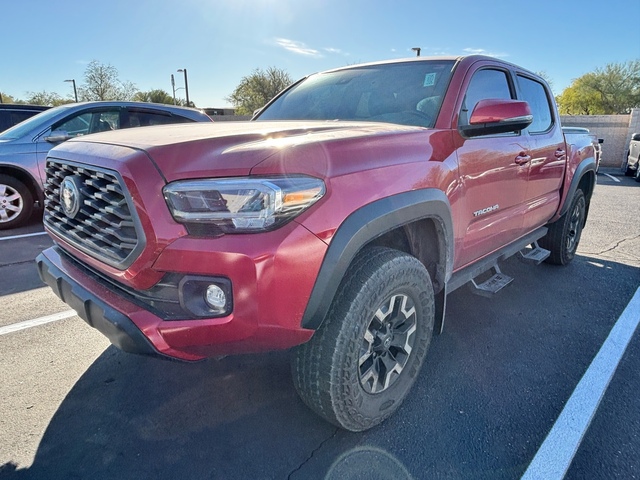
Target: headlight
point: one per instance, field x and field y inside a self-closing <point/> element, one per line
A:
<point x="241" y="205"/>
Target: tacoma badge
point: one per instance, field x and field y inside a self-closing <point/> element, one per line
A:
<point x="486" y="210"/>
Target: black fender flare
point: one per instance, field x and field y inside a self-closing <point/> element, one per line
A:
<point x="368" y="223"/>
<point x="587" y="165"/>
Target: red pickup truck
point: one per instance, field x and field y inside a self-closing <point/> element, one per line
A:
<point x="334" y="223"/>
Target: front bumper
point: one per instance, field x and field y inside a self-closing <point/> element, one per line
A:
<point x="116" y="326"/>
<point x="262" y="319"/>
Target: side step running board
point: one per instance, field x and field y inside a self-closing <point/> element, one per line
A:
<point x="493" y="285"/>
<point x="535" y="255"/>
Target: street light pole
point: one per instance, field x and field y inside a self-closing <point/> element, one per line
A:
<point x="75" y="92"/>
<point x="417" y="50"/>
<point x="173" y="86"/>
<point x="186" y="84"/>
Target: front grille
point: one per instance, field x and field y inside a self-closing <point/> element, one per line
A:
<point x="105" y="225"/>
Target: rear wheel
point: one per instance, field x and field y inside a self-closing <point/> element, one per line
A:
<point x="637" y="173"/>
<point x="625" y="166"/>
<point x="564" y="235"/>
<point x="16" y="202"/>
<point x="360" y="364"/>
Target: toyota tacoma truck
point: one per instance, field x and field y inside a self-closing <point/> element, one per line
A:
<point x="333" y="224"/>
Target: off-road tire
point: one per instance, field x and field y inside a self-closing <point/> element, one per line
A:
<point x="326" y="370"/>
<point x="16" y="202"/>
<point x="564" y="235"/>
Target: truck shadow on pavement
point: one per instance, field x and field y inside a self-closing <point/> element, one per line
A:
<point x="136" y="417"/>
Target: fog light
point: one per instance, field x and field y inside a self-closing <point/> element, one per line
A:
<point x="215" y="297"/>
<point x="206" y="297"/>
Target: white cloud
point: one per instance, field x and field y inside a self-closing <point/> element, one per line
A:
<point x="297" y="47"/>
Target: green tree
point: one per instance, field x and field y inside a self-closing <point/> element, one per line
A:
<point x="101" y="82"/>
<point x="614" y="89"/>
<point x="154" y="96"/>
<point x="256" y="89"/>
<point x="6" y="98"/>
<point x="579" y="99"/>
<point x="51" y="99"/>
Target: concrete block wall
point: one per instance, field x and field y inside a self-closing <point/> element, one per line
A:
<point x="616" y="130"/>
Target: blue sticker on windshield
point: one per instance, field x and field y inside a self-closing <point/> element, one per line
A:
<point x="429" y="80"/>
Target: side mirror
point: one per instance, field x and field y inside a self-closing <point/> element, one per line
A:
<point x="636" y="137"/>
<point x="57" y="136"/>
<point x="493" y="116"/>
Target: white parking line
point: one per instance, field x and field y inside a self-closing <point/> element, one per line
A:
<point x="16" y="327"/>
<point x="612" y="177"/>
<point x="23" y="236"/>
<point x="557" y="451"/>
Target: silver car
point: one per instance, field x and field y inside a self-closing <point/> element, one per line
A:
<point x="24" y="147"/>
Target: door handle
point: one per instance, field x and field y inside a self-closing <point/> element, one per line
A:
<point x="560" y="153"/>
<point x="523" y="158"/>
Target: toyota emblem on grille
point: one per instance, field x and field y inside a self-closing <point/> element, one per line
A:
<point x="70" y="196"/>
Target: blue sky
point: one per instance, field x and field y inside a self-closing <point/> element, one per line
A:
<point x="220" y="41"/>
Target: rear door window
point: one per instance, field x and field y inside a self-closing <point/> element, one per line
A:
<point x="143" y="118"/>
<point x="535" y="94"/>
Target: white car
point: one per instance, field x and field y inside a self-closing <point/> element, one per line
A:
<point x="631" y="165"/>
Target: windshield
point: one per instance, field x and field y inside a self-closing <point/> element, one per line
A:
<point x="406" y="93"/>
<point x="22" y="128"/>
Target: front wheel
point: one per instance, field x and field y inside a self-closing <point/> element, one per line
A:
<point x="360" y="364"/>
<point x="16" y="202"/>
<point x="564" y="235"/>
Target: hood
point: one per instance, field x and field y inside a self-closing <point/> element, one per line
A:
<point x="225" y="149"/>
<point x="12" y="149"/>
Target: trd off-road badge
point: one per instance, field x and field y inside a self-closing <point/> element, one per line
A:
<point x="484" y="211"/>
<point x="70" y="195"/>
